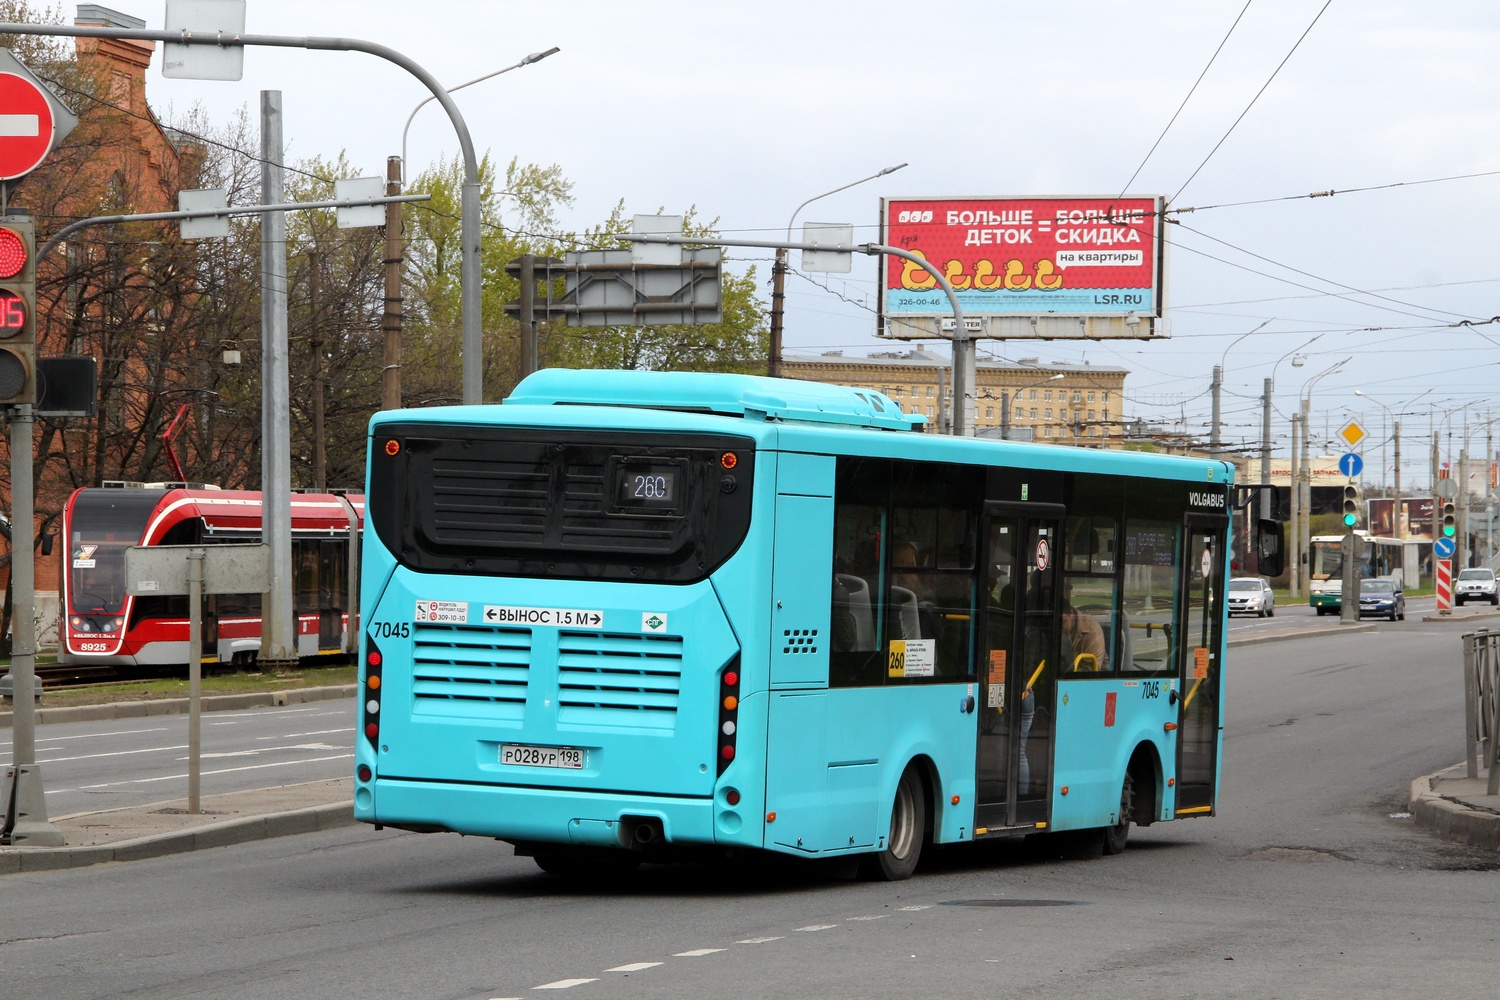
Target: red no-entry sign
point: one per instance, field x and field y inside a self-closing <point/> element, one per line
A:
<point x="26" y="126"/>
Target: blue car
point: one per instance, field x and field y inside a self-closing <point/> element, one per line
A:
<point x="1381" y="597"/>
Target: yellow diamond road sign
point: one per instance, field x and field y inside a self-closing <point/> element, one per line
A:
<point x="1352" y="432"/>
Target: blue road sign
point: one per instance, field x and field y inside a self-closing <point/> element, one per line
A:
<point x="1443" y="548"/>
<point x="1351" y="464"/>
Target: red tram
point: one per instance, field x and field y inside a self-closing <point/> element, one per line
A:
<point x="102" y="625"/>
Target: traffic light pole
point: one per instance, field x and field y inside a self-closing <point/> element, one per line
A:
<point x="25" y="804"/>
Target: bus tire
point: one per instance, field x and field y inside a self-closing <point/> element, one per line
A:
<point x="908" y="828"/>
<point x="1115" y="837"/>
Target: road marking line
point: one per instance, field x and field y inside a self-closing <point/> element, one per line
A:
<point x="818" y="927"/>
<point x="634" y="967"/>
<point x="112" y="753"/>
<point x="697" y="952"/>
<point x="564" y="984"/>
<point x="114" y="732"/>
<point x="760" y="940"/>
<point x="877" y="916"/>
<point x="913" y="909"/>
<point x="183" y="777"/>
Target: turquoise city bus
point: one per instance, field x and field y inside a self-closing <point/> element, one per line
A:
<point x="640" y="616"/>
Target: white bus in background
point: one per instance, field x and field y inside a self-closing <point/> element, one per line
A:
<point x="1399" y="559"/>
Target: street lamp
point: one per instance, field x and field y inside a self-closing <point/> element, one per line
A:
<point x="1005" y="403"/>
<point x="1301" y="479"/>
<point x="1214" y="444"/>
<point x="778" y="269"/>
<point x="534" y="57"/>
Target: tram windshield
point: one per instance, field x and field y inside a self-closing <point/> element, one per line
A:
<point x="104" y="524"/>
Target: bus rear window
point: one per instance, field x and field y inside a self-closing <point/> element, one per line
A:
<point x="502" y="501"/>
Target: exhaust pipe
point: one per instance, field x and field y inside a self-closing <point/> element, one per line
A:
<point x="638" y="833"/>
<point x="645" y="834"/>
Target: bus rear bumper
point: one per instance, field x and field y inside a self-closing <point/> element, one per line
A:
<point x="538" y="815"/>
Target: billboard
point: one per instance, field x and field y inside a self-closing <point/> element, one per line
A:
<point x="1050" y="268"/>
<point x="1418" y="520"/>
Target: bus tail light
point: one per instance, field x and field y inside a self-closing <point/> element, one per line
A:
<point x="371" y="711"/>
<point x="729" y="704"/>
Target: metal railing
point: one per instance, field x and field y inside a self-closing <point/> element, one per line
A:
<point x="1482" y="704"/>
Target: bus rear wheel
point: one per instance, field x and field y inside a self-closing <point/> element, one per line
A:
<point x="908" y="828"/>
<point x="1116" y="836"/>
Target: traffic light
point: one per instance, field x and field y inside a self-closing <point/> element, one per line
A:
<point x="1351" y="505"/>
<point x="17" y="311"/>
<point x="1449" y="529"/>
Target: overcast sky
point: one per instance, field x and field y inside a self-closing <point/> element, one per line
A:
<point x="744" y="110"/>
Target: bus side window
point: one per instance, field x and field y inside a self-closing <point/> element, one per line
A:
<point x="1150" y="596"/>
<point x="1089" y="588"/>
<point x="854" y="658"/>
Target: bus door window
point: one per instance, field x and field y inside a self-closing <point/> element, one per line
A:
<point x="1198" y="725"/>
<point x="1149" y="599"/>
<point x="997" y="713"/>
<point x="1038" y="661"/>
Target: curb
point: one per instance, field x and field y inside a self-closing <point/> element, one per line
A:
<point x="1451" y="819"/>
<point x="1461" y="616"/>
<point x="179" y="706"/>
<point x="1304" y="633"/>
<point x="234" y="831"/>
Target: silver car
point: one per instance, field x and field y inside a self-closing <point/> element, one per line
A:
<point x="1251" y="595"/>
<point x="1475" y="585"/>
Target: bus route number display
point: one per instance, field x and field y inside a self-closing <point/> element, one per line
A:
<point x="649" y="487"/>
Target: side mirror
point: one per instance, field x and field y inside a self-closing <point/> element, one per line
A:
<point x="1270" y="547"/>
<point x="47" y="541"/>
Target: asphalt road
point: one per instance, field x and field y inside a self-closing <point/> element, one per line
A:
<point x="89" y="766"/>
<point x="1310" y="883"/>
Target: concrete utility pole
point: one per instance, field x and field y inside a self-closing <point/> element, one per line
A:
<point x="1214" y="449"/>
<point x="390" y="320"/>
<point x="527" y="321"/>
<point x="1294" y="491"/>
<point x="278" y="644"/>
<point x="315" y="350"/>
<point x="1265" y="451"/>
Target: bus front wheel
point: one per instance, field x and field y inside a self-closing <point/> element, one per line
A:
<point x="908" y="827"/>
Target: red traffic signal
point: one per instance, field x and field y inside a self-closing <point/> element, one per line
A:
<point x="17" y="310"/>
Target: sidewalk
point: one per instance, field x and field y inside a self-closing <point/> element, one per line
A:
<point x="160" y="828"/>
<point x="1456" y="807"/>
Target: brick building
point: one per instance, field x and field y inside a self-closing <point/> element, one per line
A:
<point x="1051" y="403"/>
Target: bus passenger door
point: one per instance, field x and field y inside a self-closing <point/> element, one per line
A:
<point x="1200" y="670"/>
<point x="1017" y="668"/>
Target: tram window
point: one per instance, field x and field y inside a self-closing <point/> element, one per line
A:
<point x="333" y="574"/>
<point x="1150" y="596"/>
<point x="306" y="553"/>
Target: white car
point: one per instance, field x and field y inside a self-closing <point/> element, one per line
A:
<point x="1251" y="595"/>
<point x="1475" y="585"/>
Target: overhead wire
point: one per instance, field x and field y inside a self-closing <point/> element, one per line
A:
<point x="1191" y="90"/>
<point x="1257" y="96"/>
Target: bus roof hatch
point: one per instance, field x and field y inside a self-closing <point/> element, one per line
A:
<point x="736" y="395"/>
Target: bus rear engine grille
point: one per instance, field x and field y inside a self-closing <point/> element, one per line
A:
<point x="612" y="679"/>
<point x="471" y="672"/>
